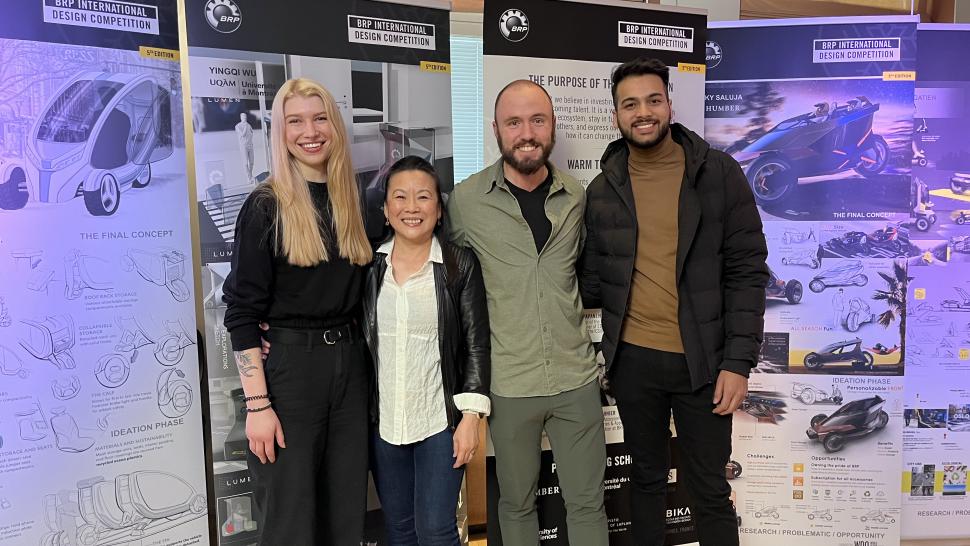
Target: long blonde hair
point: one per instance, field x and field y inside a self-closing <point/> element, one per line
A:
<point x="298" y="235"/>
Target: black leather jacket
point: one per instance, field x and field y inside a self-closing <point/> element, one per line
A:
<point x="464" y="338"/>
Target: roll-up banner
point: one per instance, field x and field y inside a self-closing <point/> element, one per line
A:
<point x="387" y="66"/>
<point x="821" y="123"/>
<point x="571" y="48"/>
<point x="100" y="422"/>
<point x="936" y="437"/>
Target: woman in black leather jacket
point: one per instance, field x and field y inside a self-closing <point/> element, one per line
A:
<point x="426" y="324"/>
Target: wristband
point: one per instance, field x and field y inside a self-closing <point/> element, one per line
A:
<point x="261" y="408"/>
<point x="257" y="397"/>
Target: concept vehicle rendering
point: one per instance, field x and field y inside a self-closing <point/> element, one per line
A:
<point x="853" y="420"/>
<point x="97" y="136"/>
<point x="787" y="290"/>
<point x="847" y="274"/>
<point x="810" y="394"/>
<point x="842" y="351"/>
<point x="831" y="139"/>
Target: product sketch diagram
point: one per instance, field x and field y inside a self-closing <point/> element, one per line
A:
<point x="831" y="139"/>
<point x="173" y="393"/>
<point x="96" y="137"/>
<point x="10" y="364"/>
<point x="67" y="435"/>
<point x="165" y="268"/>
<point x="125" y="510"/>
<point x="50" y="339"/>
<point x="168" y="347"/>
<point x="78" y="275"/>
<point x="954" y="305"/>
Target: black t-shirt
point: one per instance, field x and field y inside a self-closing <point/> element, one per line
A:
<point x="533" y="207"/>
<point x="262" y="286"/>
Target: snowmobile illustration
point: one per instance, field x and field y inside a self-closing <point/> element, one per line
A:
<point x="847" y="274"/>
<point x="165" y="268"/>
<point x="853" y="420"/>
<point x="126" y="510"/>
<point x="97" y="137"/>
<point x="831" y="139"/>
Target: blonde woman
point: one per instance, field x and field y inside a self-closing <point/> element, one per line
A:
<point x="298" y="265"/>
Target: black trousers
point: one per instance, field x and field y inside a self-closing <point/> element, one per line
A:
<point x="316" y="491"/>
<point x="648" y="384"/>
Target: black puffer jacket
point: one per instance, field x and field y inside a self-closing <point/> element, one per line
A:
<point x="464" y="338"/>
<point x="721" y="251"/>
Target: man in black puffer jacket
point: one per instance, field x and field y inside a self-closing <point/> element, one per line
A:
<point x="675" y="256"/>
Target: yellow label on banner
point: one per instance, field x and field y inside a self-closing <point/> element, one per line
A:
<point x="919" y="293"/>
<point x="798" y="467"/>
<point x="964" y="354"/>
<point x="158" y="53"/>
<point x="691" y="67"/>
<point x="428" y="66"/>
<point x="899" y="76"/>
<point x="906" y="482"/>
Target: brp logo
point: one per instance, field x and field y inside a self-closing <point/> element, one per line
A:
<point x="713" y="54"/>
<point x="514" y="25"/>
<point x="223" y="15"/>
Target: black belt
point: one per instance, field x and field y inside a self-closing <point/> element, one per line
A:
<point x="309" y="337"/>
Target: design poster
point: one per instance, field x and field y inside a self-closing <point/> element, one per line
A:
<point x="524" y="40"/>
<point x="821" y="124"/>
<point x="936" y="437"/>
<point x="387" y="66"/>
<point x="100" y="413"/>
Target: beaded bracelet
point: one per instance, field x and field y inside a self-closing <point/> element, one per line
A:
<point x="261" y="408"/>
<point x="257" y="397"/>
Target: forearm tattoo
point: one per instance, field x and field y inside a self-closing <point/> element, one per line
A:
<point x="245" y="364"/>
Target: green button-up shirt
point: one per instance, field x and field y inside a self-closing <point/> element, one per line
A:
<point x="540" y="346"/>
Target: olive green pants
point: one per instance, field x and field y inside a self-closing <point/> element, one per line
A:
<point x="573" y="421"/>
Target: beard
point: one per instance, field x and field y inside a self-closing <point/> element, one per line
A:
<point x="627" y="133"/>
<point x="527" y="166"/>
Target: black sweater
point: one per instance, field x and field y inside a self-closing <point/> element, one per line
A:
<point x="262" y="286"/>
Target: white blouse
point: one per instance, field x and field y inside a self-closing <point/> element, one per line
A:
<point x="411" y="393"/>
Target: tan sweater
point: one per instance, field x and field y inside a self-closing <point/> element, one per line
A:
<point x="656" y="175"/>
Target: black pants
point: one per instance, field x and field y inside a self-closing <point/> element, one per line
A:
<point x="648" y="385"/>
<point x="316" y="491"/>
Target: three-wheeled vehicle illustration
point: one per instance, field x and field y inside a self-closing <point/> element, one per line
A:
<point x="97" y="136"/>
<point x="960" y="183"/>
<point x="960" y="217"/>
<point x="849" y="350"/>
<point x="846" y="274"/>
<point x="810" y="394"/>
<point x="126" y="510"/>
<point x="825" y="514"/>
<point x="877" y="516"/>
<point x="802" y="257"/>
<point x="831" y="139"/>
<point x="788" y="290"/>
<point x="853" y="420"/>
<point x="954" y="305"/>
